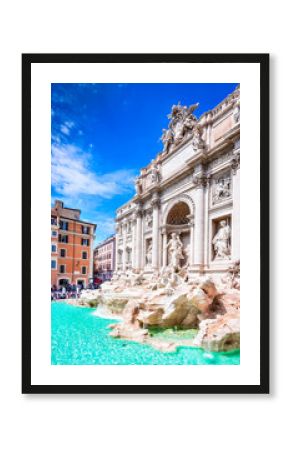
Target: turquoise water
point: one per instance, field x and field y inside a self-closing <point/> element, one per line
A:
<point x="79" y="337"/>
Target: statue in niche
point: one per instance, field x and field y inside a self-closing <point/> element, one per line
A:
<point x="149" y="254"/>
<point x="221" y="241"/>
<point x="175" y="250"/>
<point x="222" y="190"/>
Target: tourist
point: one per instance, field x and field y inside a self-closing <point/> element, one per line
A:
<point x="63" y="292"/>
<point x="73" y="291"/>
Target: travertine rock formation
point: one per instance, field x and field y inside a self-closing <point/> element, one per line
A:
<point x="170" y="301"/>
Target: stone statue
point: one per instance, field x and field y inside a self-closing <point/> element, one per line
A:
<point x="177" y="112"/>
<point x="234" y="275"/>
<point x="138" y="186"/>
<point x="134" y="279"/>
<point x="115" y="277"/>
<point x="182" y="123"/>
<point x="175" y="250"/>
<point x="149" y="255"/>
<point x="197" y="141"/>
<point x="154" y="174"/>
<point x="178" y="130"/>
<point x="236" y="113"/>
<point x="190" y="120"/>
<point x="221" y="241"/>
<point x="167" y="139"/>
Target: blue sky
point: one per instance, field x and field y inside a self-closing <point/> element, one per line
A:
<point x="102" y="134"/>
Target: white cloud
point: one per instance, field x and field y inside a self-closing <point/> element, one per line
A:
<point x="66" y="127"/>
<point x="72" y="175"/>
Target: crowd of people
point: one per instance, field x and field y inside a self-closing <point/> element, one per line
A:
<point x="69" y="291"/>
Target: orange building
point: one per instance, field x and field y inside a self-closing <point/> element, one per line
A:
<point x="71" y="247"/>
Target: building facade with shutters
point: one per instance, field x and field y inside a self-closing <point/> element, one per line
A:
<point x="187" y="199"/>
<point x="104" y="259"/>
<point x="71" y="247"/>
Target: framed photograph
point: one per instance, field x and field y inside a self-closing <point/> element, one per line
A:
<point x="146" y="216"/>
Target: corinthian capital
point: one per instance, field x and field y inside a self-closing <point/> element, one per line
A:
<point x="139" y="210"/>
<point x="201" y="181"/>
<point x="155" y="201"/>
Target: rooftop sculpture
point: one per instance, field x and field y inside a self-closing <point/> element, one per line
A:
<point x="183" y="123"/>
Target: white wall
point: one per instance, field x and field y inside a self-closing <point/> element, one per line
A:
<point x="208" y="422"/>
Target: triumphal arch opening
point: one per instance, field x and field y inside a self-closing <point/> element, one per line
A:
<point x="186" y="210"/>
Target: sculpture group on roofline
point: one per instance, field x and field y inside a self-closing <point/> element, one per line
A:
<point x="183" y="124"/>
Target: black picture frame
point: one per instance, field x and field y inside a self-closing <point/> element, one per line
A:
<point x="27" y="61"/>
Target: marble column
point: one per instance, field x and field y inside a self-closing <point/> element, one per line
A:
<point x="236" y="208"/>
<point x="134" y="242"/>
<point x="116" y="262"/>
<point x="138" y="238"/>
<point x="199" y="225"/>
<point x="206" y="222"/>
<point x="164" y="248"/>
<point x="191" y="241"/>
<point x="155" y="230"/>
<point x="124" y="261"/>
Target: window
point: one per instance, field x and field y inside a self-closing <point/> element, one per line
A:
<point x="85" y="255"/>
<point x="63" y="225"/>
<point x="86" y="242"/>
<point x="62" y="253"/>
<point x="63" y="238"/>
<point x="53" y="221"/>
<point x="53" y="264"/>
<point x="84" y="270"/>
<point x="85" y="229"/>
<point x="62" y="268"/>
<point x="54" y="233"/>
<point x="53" y="248"/>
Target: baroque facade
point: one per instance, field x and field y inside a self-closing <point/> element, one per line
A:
<point x="186" y="211"/>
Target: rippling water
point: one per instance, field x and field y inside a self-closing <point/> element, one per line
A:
<point x="80" y="337"/>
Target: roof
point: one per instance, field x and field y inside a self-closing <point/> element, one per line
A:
<point x="105" y="241"/>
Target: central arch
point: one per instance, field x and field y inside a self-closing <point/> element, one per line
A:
<point x="177" y="218"/>
<point x="182" y="202"/>
<point x="178" y="214"/>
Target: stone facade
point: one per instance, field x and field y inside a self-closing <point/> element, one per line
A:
<point x="186" y="211"/>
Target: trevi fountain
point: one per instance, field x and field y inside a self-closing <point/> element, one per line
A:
<point x="178" y="238"/>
